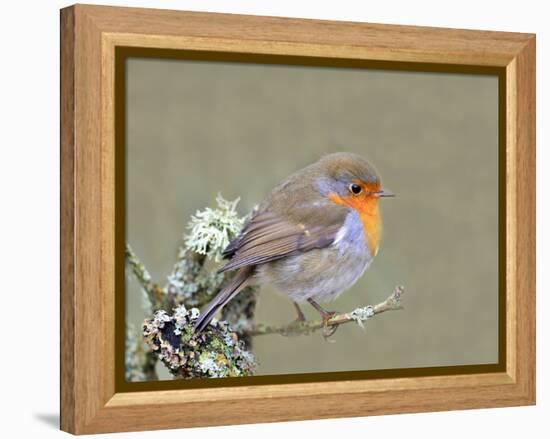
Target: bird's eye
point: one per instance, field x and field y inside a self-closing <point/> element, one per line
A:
<point x="355" y="189"/>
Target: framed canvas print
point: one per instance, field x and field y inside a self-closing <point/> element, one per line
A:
<point x="268" y="219"/>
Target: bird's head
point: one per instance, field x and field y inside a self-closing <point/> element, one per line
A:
<point x="348" y="179"/>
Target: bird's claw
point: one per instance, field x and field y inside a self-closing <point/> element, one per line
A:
<point x="329" y="330"/>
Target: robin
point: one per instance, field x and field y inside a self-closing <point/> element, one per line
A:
<point x="311" y="238"/>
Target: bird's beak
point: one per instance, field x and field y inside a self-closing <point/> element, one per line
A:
<point x="385" y="193"/>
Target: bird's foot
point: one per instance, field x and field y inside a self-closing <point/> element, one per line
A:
<point x="328" y="330"/>
<point x="300" y="315"/>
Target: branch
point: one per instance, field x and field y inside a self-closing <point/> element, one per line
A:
<point x="216" y="352"/>
<point x="187" y="281"/>
<point x="193" y="283"/>
<point x="223" y="349"/>
<point x="359" y="316"/>
<point x="154" y="293"/>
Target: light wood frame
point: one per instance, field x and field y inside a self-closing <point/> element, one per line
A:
<point x="89" y="36"/>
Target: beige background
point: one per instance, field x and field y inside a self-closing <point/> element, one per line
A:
<point x="196" y="128"/>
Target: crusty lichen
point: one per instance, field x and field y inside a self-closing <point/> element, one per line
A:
<point x="139" y="360"/>
<point x="217" y="352"/>
<point x="188" y="283"/>
<point x="239" y="312"/>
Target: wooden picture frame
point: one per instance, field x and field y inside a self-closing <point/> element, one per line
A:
<point x="91" y="401"/>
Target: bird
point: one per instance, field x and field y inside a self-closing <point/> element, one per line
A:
<point x="311" y="238"/>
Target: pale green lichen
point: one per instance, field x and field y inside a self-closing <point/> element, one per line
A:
<point x="361" y="315"/>
<point x="216" y="352"/>
<point x="211" y="230"/>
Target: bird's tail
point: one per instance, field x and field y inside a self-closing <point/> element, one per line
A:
<point x="230" y="290"/>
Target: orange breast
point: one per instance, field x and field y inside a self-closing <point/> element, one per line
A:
<point x="369" y="212"/>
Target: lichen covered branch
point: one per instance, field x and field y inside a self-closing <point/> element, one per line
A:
<point x="224" y="348"/>
<point x="140" y="360"/>
<point x="215" y="353"/>
<point x="191" y="284"/>
<point x="152" y="291"/>
<point x="359" y="316"/>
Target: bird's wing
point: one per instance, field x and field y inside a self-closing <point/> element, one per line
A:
<point x="268" y="236"/>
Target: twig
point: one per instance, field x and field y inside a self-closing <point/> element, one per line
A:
<point x="154" y="293"/>
<point x="359" y="316"/>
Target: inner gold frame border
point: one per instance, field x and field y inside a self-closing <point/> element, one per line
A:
<point x="94" y="40"/>
<point x="122" y="54"/>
